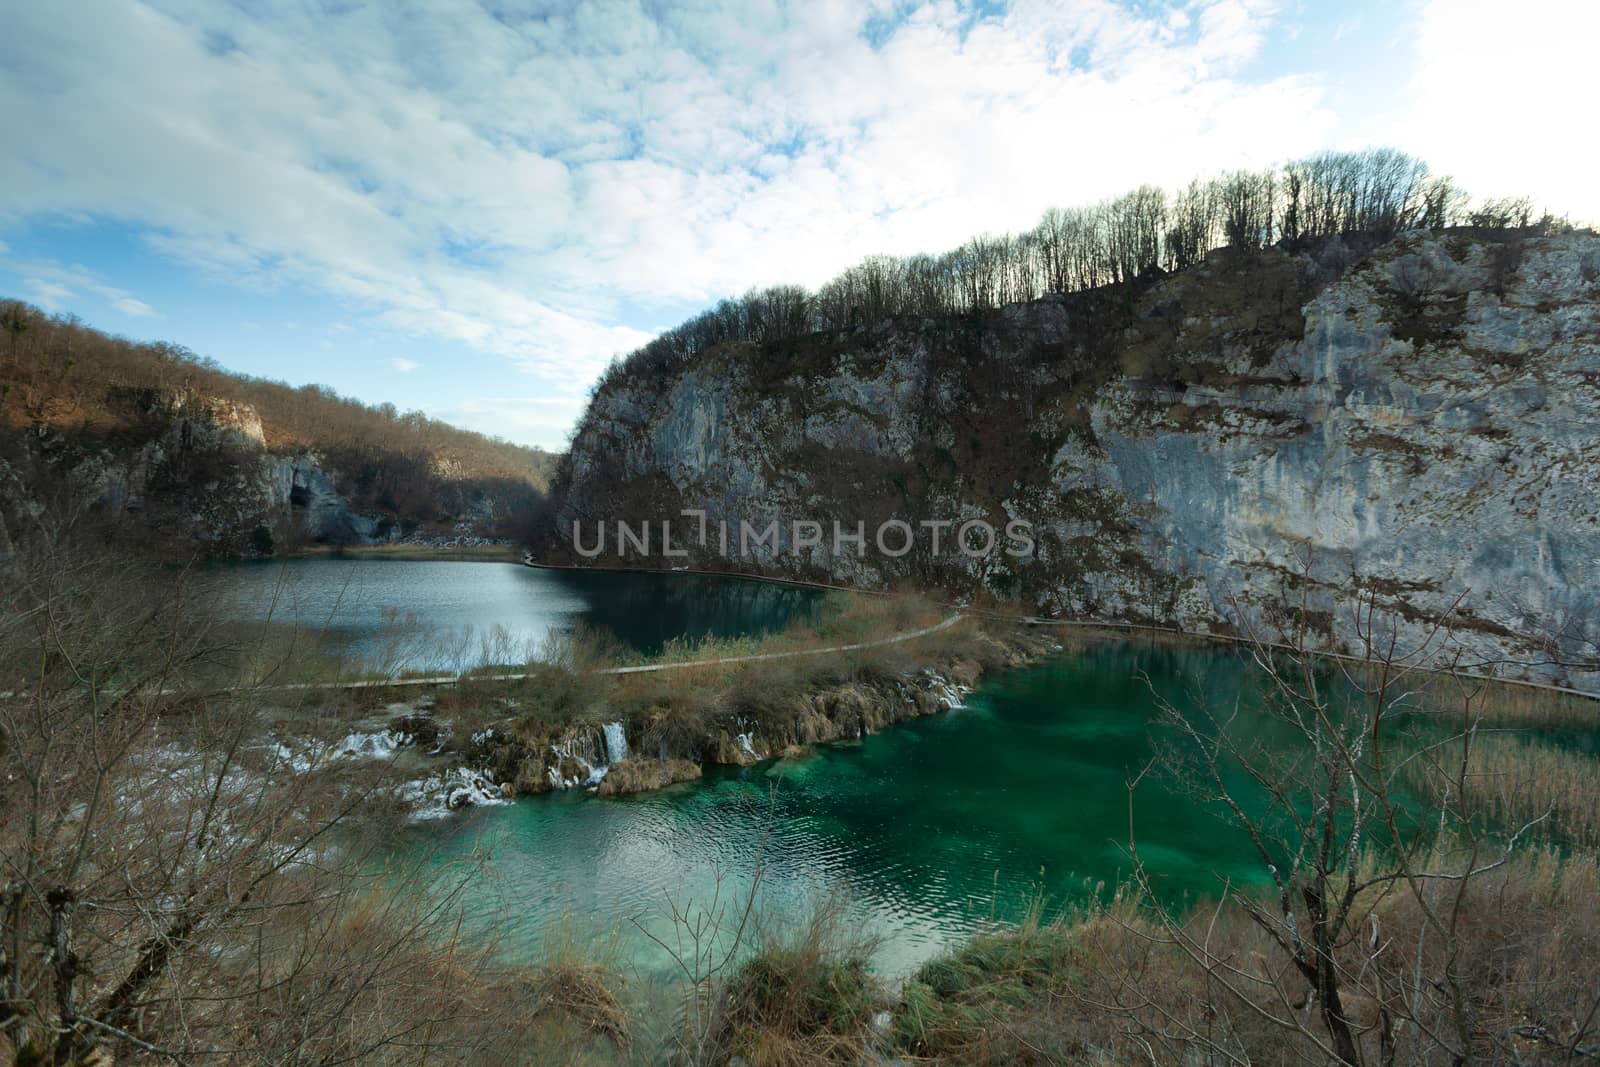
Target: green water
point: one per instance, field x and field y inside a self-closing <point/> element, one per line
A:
<point x="932" y="828"/>
<point x="365" y="607"/>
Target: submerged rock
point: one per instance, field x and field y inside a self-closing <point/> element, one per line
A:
<point x="449" y="791"/>
<point x="644" y="775"/>
<point x="423" y="731"/>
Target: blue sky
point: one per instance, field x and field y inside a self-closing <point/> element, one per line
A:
<point x="468" y="208"/>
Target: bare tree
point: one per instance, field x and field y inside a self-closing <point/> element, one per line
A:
<point x="1377" y="191"/>
<point x="1194" y="225"/>
<point x="705" y="941"/>
<point x="173" y="881"/>
<point x="1248" y="203"/>
<point x="1329" y="820"/>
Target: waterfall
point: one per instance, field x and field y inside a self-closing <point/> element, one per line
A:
<point x="616" y="743"/>
<point x="378" y="744"/>
<point x="744" y="738"/>
<point x="949" y="695"/>
<point x="441" y="794"/>
<point x="593" y="751"/>
<point x="582" y="750"/>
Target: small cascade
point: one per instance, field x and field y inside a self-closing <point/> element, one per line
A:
<point x="579" y="750"/>
<point x="593" y="751"/>
<point x="438" y="795"/>
<point x="616" y="743"/>
<point x="284" y="756"/>
<point x="950" y="696"/>
<point x="377" y="744"/>
<point x="745" y="737"/>
<point x="359" y="745"/>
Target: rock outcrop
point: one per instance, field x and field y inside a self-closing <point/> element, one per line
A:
<point x="1254" y="442"/>
<point x="193" y="471"/>
<point x="642" y="751"/>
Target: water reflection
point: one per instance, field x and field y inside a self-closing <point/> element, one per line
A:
<point x="932" y="828"/>
<point x="420" y="615"/>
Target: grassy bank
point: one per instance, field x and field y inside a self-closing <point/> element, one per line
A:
<point x="535" y="718"/>
<point x="1115" y="984"/>
<point x="548" y="725"/>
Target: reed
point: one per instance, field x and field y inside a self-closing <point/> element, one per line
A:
<point x="1514" y="781"/>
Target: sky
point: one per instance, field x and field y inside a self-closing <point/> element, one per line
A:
<point x="469" y="207"/>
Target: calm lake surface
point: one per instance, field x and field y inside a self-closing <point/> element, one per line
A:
<point x="931" y="829"/>
<point x="428" y="614"/>
<point x="928" y="831"/>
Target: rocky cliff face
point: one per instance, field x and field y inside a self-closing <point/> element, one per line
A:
<point x="191" y="471"/>
<point x="1254" y="442"/>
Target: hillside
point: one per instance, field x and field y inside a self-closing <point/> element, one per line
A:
<point x="163" y="444"/>
<point x="1256" y="437"/>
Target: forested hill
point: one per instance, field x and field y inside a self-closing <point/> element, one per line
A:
<point x="1243" y="404"/>
<point x="161" y="442"/>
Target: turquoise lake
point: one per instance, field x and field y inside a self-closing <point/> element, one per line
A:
<point x="928" y="831"/>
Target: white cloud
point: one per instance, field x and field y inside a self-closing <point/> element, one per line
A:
<point x="404" y="366"/>
<point x="1499" y="97"/>
<point x="52" y="296"/>
<point x="54" y="287"/>
<point x="519" y="183"/>
<point x="130" y="306"/>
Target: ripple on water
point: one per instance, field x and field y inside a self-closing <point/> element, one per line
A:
<point x="933" y="828"/>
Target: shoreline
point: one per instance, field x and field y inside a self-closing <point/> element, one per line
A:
<point x="510" y="759"/>
<point x="806" y="710"/>
<point x="521" y="745"/>
<point x="1110" y="625"/>
<point x="404" y="553"/>
<point x="507" y="758"/>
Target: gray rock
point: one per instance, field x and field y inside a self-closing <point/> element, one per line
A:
<point x="1429" y="434"/>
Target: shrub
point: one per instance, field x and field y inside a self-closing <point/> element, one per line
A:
<point x="807" y="997"/>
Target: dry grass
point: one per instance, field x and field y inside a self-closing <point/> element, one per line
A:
<point x="579" y="993"/>
<point x="1515" y="780"/>
<point x="696" y="711"/>
<point x="1496" y="703"/>
<point x="433" y="997"/>
<point x="1109" y="985"/>
<point x="674" y="707"/>
<point x="806" y="997"/>
<point x="845" y="619"/>
<point x="1527" y="706"/>
<point x="967" y="1005"/>
<point x="574" y="989"/>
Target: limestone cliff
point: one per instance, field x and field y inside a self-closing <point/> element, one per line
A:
<point x="161" y="443"/>
<point x="196" y="472"/>
<point x="1252" y="441"/>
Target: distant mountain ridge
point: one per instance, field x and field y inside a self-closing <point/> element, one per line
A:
<point x="165" y="445"/>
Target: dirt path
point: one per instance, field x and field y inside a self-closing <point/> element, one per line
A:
<point x="644" y="668"/>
